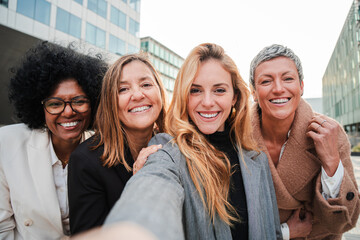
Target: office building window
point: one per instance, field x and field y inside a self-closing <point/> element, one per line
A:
<point x="162" y="56"/>
<point x="35" y="9"/>
<point x="134" y="27"/>
<point x="151" y="48"/>
<point x="118" y="18"/>
<point x="135" y="4"/>
<point x="98" y="6"/>
<point x="132" y="49"/>
<point x="167" y="56"/>
<point x="145" y="46"/>
<point x="116" y="45"/>
<point x="68" y="23"/>
<point x="4" y="3"/>
<point x="156" y="50"/>
<point x="79" y="1"/>
<point x="95" y="35"/>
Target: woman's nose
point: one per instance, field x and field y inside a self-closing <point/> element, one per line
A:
<point x="68" y="111"/>
<point x="278" y="86"/>
<point x="137" y="94"/>
<point x="208" y="100"/>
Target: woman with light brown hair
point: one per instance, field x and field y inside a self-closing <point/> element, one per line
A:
<point x="132" y="107"/>
<point x="207" y="182"/>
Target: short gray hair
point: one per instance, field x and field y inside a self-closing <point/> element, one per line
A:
<point x="271" y="52"/>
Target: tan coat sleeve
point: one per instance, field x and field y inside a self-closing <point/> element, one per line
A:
<point x="339" y="214"/>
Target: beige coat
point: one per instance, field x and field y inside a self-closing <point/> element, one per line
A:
<point x="297" y="179"/>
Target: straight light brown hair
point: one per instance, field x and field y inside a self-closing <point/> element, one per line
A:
<point x="209" y="168"/>
<point x="108" y="128"/>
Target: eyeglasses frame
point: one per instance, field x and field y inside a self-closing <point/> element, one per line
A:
<point x="66" y="102"/>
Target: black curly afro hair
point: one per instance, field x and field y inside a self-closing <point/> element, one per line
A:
<point x="42" y="69"/>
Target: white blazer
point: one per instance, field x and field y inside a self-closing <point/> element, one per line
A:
<point x="29" y="207"/>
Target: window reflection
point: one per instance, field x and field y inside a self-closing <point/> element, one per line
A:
<point x="35" y="9"/>
<point x="79" y="1"/>
<point x="135" y="4"/>
<point x="95" y="35"/>
<point x="117" y="17"/>
<point x="98" y="6"/>
<point x="116" y="45"/>
<point x="134" y="27"/>
<point x="68" y="23"/>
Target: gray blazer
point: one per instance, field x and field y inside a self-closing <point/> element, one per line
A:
<point x="162" y="198"/>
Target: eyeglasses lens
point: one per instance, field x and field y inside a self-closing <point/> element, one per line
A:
<point x="56" y="106"/>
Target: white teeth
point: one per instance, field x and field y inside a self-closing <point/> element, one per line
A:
<point x="208" y="115"/>
<point x="69" y="124"/>
<point x="139" y="109"/>
<point x="282" y="100"/>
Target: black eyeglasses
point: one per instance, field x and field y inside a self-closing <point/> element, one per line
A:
<point x="55" y="105"/>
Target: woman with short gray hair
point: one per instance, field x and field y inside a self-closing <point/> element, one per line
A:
<point x="309" y="153"/>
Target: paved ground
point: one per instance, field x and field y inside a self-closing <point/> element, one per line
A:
<point x="355" y="233"/>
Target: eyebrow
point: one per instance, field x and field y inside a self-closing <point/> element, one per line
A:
<point x="215" y="85"/>
<point x="270" y="75"/>
<point x="139" y="80"/>
<point x="286" y="73"/>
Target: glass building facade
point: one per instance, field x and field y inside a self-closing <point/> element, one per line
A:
<point x="68" y="23"/>
<point x="98" y="6"/>
<point x="35" y="9"/>
<point x="110" y="25"/>
<point x="341" y="81"/>
<point x="165" y="61"/>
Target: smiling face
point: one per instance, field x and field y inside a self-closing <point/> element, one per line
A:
<point x="139" y="101"/>
<point x="278" y="89"/>
<point x="68" y="125"/>
<point x="211" y="97"/>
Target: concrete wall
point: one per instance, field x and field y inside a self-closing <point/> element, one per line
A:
<point x="13" y="45"/>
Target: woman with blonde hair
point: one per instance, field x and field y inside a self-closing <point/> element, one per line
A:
<point x="207" y="182"/>
<point x="132" y="106"/>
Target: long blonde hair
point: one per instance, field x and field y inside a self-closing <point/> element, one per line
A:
<point x="108" y="127"/>
<point x="209" y="168"/>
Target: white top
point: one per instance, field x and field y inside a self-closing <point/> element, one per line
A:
<point x="60" y="180"/>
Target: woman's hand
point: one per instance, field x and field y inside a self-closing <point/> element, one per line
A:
<point x="325" y="136"/>
<point x="143" y="155"/>
<point x="300" y="227"/>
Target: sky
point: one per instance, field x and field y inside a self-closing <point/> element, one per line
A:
<point x="243" y="27"/>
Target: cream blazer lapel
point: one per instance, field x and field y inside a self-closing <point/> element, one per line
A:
<point x="41" y="170"/>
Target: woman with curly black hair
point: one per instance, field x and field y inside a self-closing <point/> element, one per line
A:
<point x="55" y="92"/>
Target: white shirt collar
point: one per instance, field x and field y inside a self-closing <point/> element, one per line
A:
<point x="54" y="158"/>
